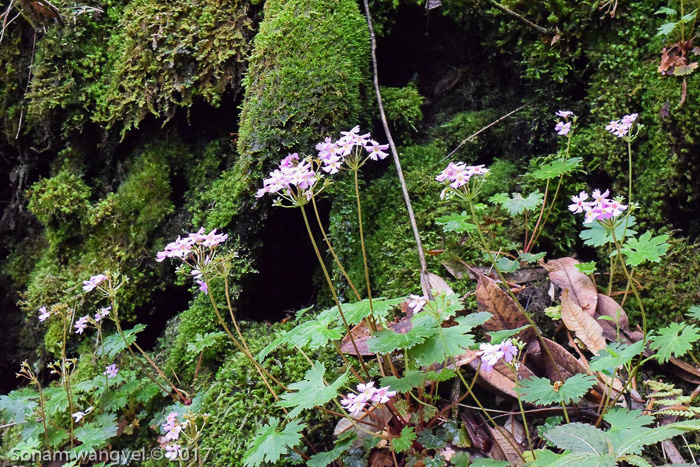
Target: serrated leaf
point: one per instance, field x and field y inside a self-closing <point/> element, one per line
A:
<point x="423" y="326"/>
<point x="403" y="442"/>
<point x="461" y="459"/>
<point x="449" y="342"/>
<point x="270" y="444"/>
<point x="459" y="223"/>
<point x="596" y="234"/>
<point x="357" y="311"/>
<point x="18" y="405"/>
<point x="624" y="424"/>
<point x="579" y="438"/>
<point x="322" y="459"/>
<point x="647" y="248"/>
<point x="616" y="355"/>
<point x="583" y="325"/>
<point x="540" y="391"/>
<point x="114" y="343"/>
<point x="516" y="204"/>
<point x="666" y="29"/>
<point x="412" y="379"/>
<point x="146" y="393"/>
<point x="311" y="391"/>
<point x="689" y="16"/>
<point x="532" y="258"/>
<point x="56" y="400"/>
<point x="636" y="443"/>
<point x="665" y="11"/>
<point x="95" y="434"/>
<point x="507" y="265"/>
<point x="637" y="461"/>
<point x="685" y="70"/>
<point x="694" y="312"/>
<point x="499" y="336"/>
<point x="202" y="342"/>
<point x="675" y="339"/>
<point x="430" y="440"/>
<point x="586" y="268"/>
<point x="556" y="168"/>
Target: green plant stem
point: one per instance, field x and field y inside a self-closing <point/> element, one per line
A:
<point x="634" y="289"/>
<point x="332" y="251"/>
<point x="42" y="405"/>
<point x="486" y="247"/>
<point x="455" y="403"/>
<point x="473" y="396"/>
<point x="533" y="237"/>
<point x="66" y="377"/>
<point x="333" y="292"/>
<point x="522" y="411"/>
<point x="260" y="369"/>
<point x="362" y="240"/>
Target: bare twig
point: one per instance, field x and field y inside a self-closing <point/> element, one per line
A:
<point x="425" y="283"/>
<point x="520" y="18"/>
<point x="482" y="130"/>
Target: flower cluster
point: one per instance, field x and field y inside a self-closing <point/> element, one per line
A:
<point x="172" y="429"/>
<point x="94" y="281"/>
<point x="491" y="354"/>
<point x="332" y="154"/>
<point x="111" y="371"/>
<point x="367" y="394"/>
<point x="182" y="247"/>
<point x="621" y="128"/>
<point x="563" y="127"/>
<point x="457" y="174"/>
<point x="600" y="208"/>
<point x="292" y="172"/>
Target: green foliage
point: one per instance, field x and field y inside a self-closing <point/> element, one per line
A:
<point x="597" y="234"/>
<point x="675" y="339"/>
<point x="305" y="78"/>
<point x="115" y="343"/>
<point x="322" y="459"/>
<point x="556" y="168"/>
<point x="459" y="223"/>
<point x="646" y="248"/>
<point x="403" y="442"/>
<point x="402" y="107"/>
<point x="516" y="204"/>
<point x="311" y="391"/>
<point x="616" y="355"/>
<point x="270" y="443"/>
<point x="449" y="342"/>
<point x="59" y="201"/>
<point x="540" y="391"/>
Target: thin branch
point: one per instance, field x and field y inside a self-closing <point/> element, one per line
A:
<point x="482" y="130"/>
<point x="520" y="18"/>
<point x="425" y="283"/>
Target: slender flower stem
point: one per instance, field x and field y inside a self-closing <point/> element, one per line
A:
<point x="333" y="292"/>
<point x="65" y="373"/>
<point x="332" y="251"/>
<point x="634" y="289"/>
<point x="362" y="240"/>
<point x="260" y="369"/>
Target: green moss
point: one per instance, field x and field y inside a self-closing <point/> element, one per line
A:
<point x="306" y="77"/>
<point x="403" y="109"/>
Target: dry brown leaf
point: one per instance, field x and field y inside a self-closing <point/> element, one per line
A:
<point x="505" y="447"/>
<point x="564" y="274"/>
<point x="583" y="325"/>
<point x="567" y="364"/>
<point x="439" y="284"/>
<point x="506" y="313"/>
<point x="684" y="371"/>
<point x="501" y="378"/>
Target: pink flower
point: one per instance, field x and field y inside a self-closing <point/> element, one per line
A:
<point x="93" y="282"/>
<point x="81" y="324"/>
<point x="203" y="287"/>
<point x="43" y="314"/>
<point x="621" y="127"/>
<point x="111" y="371"/>
<point x="416" y="303"/>
<point x="355" y="403"/>
<point x="458" y="174"/>
<point x="563" y="128"/>
<point x="376" y="150"/>
<point x="510" y="351"/>
<point x="173" y="451"/>
<point x="564" y="113"/>
<point x="490" y="355"/>
<point x="579" y="202"/>
<point x="383" y="395"/>
<point x="292" y="173"/>
<point x="102" y="313"/>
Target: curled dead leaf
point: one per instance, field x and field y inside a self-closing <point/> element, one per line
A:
<point x="583" y="325"/>
<point x="564" y="274"/>
<point x="506" y="313"/>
